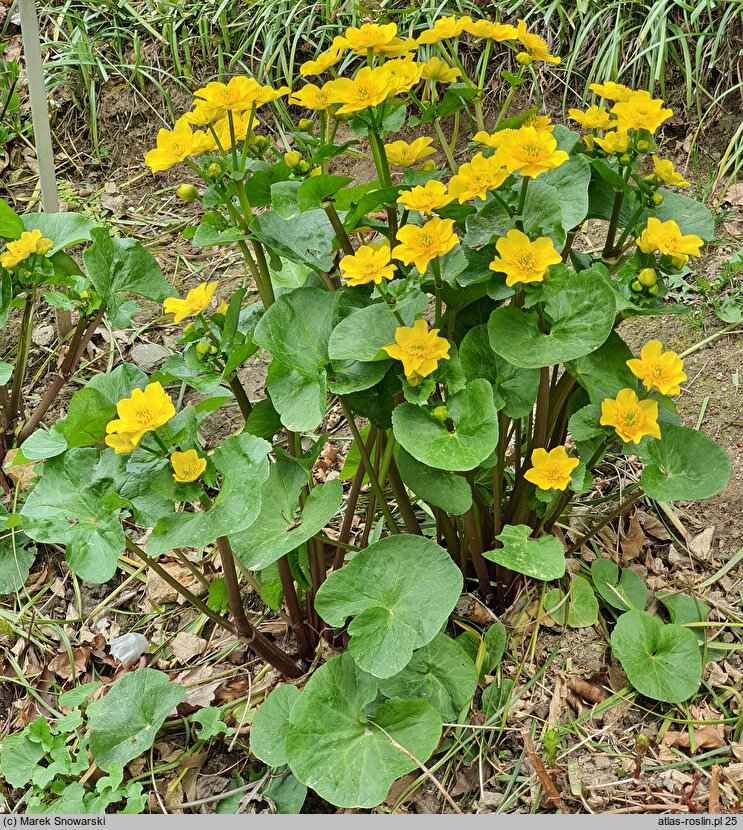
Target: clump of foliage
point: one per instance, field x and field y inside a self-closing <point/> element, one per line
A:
<point x="467" y="334"/>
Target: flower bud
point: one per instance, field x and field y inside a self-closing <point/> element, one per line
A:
<point x="653" y="290"/>
<point x="188" y="328"/>
<point x="84" y="295"/>
<point x="647" y="277"/>
<point x="187" y="192"/>
<point x="213" y="349"/>
<point x="625" y="159"/>
<point x="214" y="171"/>
<point x="678" y="261"/>
<point x="524" y="59"/>
<point x="202" y="348"/>
<point x="303" y="166"/>
<point x="260" y="142"/>
<point x="657" y="198"/>
<point x="650" y="178"/>
<point x="636" y="287"/>
<point x="305" y="125"/>
<point x="316" y="171"/>
<point x="292" y="159"/>
<point x="643" y="146"/>
<point x="441" y="413"/>
<point x="428" y="166"/>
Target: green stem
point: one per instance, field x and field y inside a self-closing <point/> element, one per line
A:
<point x="366" y="461"/>
<point x="383" y="171"/>
<point x="438" y="285"/>
<point x="445" y="149"/>
<point x="241" y="396"/>
<point x="21" y="362"/>
<point x="507" y="102"/>
<point x="340" y="231"/>
<point x="522" y="203"/>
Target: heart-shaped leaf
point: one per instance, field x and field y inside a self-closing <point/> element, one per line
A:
<point x="270" y="725"/>
<point x="440" y="488"/>
<point x="580" y="308"/>
<point x="684" y="464"/>
<point x="579" y="609"/>
<point x="400" y="591"/>
<point x="441" y="673"/>
<point x="623" y="592"/>
<point x="542" y="558"/>
<point x="662" y="662"/>
<point x="280" y="526"/>
<point x="469" y="442"/>
<point x="347" y="756"/>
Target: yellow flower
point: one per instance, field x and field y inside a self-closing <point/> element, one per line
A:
<point x="667" y="238"/>
<point x="29" y="243"/>
<point x="324" y="60"/>
<point x="237" y="95"/>
<point x="368" y="88"/>
<point x="495" y="139"/>
<point x="369" y="36"/>
<point x="176" y="146"/>
<point x="539" y="122"/>
<point x="615" y="141"/>
<point x="551" y="470"/>
<point x="143" y="412"/>
<point x="370" y="263"/>
<point x="222" y="308"/>
<point x="398" y="48"/>
<point x="197" y="300"/>
<point x="311" y="97"/>
<point x="666" y="172"/>
<point x="419" y="350"/>
<point x="444" y="29"/>
<point x="425" y="198"/>
<point x="530" y="152"/>
<point x="240" y="122"/>
<point x="402" y="154"/>
<point x="437" y="70"/>
<point x="535" y="46"/>
<point x="611" y="91"/>
<point x="594" y="118"/>
<point x="475" y="179"/>
<point x="187" y="466"/>
<point x="420" y="245"/>
<point x="406" y="73"/>
<point x="659" y="370"/>
<point x="522" y="260"/>
<point x="630" y="417"/>
<point x="491" y="31"/>
<point x="640" y="111"/>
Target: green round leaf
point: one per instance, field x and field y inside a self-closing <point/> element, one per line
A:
<point x="625" y="593"/>
<point x="280" y="527"/>
<point x="661" y="661"/>
<point x="472" y="440"/>
<point x="542" y="558"/>
<point x="579" y="609"/>
<point x="580" y="308"/>
<point x="361" y="335"/>
<point x="440" y="488"/>
<point x="346" y="755"/>
<point x="400" y="591"/>
<point x="64" y="229"/>
<point x="514" y="389"/>
<point x="270" y="725"/>
<point x="604" y="372"/>
<point x="441" y="673"/>
<point x="125" y="722"/>
<point x="684" y="464"/>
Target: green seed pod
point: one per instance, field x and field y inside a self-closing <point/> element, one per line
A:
<point x="303" y="166"/>
<point x="440" y="413"/>
<point x="202" y="348"/>
<point x="657" y="198"/>
<point x="647" y="277"/>
<point x="187" y="192"/>
<point x="625" y="159"/>
<point x="636" y="287"/>
<point x="643" y="146"/>
<point x="653" y="290"/>
<point x="213" y="350"/>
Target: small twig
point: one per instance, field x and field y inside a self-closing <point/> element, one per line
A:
<point x="547" y="783"/>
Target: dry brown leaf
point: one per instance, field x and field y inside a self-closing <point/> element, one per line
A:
<point x="633" y="540"/>
<point x="201" y="695"/>
<point x="705" y="737"/>
<point x="654" y="526"/>
<point x="186" y="646"/>
<point x="159" y="592"/>
<point x="701" y="545"/>
<point x="734" y="773"/>
<point x="23" y="474"/>
<point x="60" y="665"/>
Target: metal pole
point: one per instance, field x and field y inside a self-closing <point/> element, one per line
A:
<point x="40" y="118"/>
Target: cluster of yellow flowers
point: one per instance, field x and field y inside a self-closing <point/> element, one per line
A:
<point x="228" y="112"/>
<point x="28" y="244"/>
<point x="146" y="410"/>
<point x="631" y="417"/>
<point x="666" y="237"/>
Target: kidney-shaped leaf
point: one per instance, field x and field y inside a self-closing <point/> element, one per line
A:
<point x="280" y="527"/>
<point x="64" y="229"/>
<point x="625" y="591"/>
<point x="400" y="591"/>
<point x="347" y="756"/>
<point x="68" y="507"/>
<point x="441" y="673"/>
<point x="440" y="488"/>
<point x="243" y="462"/>
<point x="471" y="440"/>
<point x="662" y="661"/>
<point x="581" y="311"/>
<point x="270" y="725"/>
<point x="542" y="558"/>
<point x="684" y="464"/>
<point x="125" y="722"/>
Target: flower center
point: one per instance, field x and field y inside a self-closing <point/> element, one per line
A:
<point x="425" y="240"/>
<point x="417" y="349"/>
<point x="630" y="417"/>
<point x="143" y="416"/>
<point x="526" y="262"/>
<point x="657" y="370"/>
<point x="531" y="150"/>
